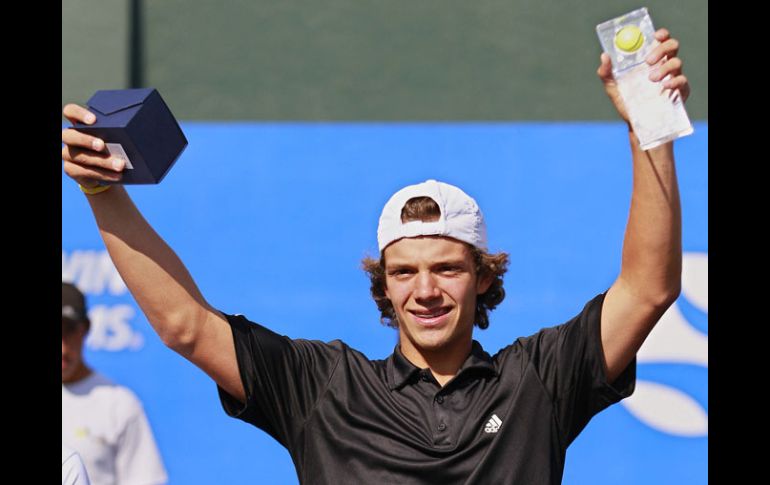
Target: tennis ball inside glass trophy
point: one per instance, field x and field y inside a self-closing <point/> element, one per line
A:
<point x="657" y="114"/>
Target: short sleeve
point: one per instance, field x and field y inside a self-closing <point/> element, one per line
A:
<point x="283" y="378"/>
<point x="570" y="363"/>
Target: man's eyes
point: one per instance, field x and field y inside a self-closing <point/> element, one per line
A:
<point x="400" y="271"/>
<point x="449" y="269"/>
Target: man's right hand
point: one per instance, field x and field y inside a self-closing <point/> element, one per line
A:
<point x="86" y="159"/>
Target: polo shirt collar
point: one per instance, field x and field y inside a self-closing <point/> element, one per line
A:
<point x="400" y="370"/>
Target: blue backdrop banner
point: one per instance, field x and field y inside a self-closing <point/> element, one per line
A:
<point x="273" y="219"/>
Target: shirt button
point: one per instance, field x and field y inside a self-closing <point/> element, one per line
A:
<point x="440" y="399"/>
<point x="441" y="426"/>
<point x="425" y="377"/>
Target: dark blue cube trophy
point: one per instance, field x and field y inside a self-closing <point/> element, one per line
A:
<point x="137" y="126"/>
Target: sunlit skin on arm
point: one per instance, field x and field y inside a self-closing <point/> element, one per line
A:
<point x="651" y="265"/>
<point x="156" y="277"/>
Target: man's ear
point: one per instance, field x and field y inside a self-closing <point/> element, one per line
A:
<point x="83" y="329"/>
<point x="485" y="280"/>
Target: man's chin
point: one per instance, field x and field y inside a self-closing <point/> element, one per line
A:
<point x="431" y="343"/>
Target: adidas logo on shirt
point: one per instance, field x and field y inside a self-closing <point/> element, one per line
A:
<point x="493" y="424"/>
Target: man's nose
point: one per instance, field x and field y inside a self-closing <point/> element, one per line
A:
<point x="427" y="287"/>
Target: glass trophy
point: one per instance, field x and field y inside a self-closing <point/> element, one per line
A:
<point x="657" y="114"/>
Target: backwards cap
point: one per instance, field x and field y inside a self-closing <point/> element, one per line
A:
<point x="460" y="216"/>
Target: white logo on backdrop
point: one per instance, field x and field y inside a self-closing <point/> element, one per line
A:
<point x="674" y="340"/>
<point x="94" y="274"/>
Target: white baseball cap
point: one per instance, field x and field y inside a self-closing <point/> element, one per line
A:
<point x="460" y="216"/>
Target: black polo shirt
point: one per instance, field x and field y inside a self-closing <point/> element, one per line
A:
<point x="503" y="419"/>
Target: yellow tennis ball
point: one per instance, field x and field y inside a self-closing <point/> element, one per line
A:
<point x="629" y="38"/>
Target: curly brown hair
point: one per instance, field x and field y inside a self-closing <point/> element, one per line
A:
<point x="425" y="209"/>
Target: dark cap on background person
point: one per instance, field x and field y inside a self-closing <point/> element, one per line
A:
<point x="73" y="304"/>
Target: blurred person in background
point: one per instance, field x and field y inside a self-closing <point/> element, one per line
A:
<point x="103" y="421"/>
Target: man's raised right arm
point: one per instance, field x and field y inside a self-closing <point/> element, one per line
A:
<point x="156" y="277"/>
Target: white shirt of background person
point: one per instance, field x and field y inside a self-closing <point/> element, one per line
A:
<point x="73" y="472"/>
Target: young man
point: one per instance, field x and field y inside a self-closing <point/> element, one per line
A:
<point x="439" y="409"/>
<point x="104" y="422"/>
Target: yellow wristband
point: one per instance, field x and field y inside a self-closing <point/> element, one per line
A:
<point x="94" y="190"/>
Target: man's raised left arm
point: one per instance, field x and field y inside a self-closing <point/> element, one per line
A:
<point x="650" y="274"/>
